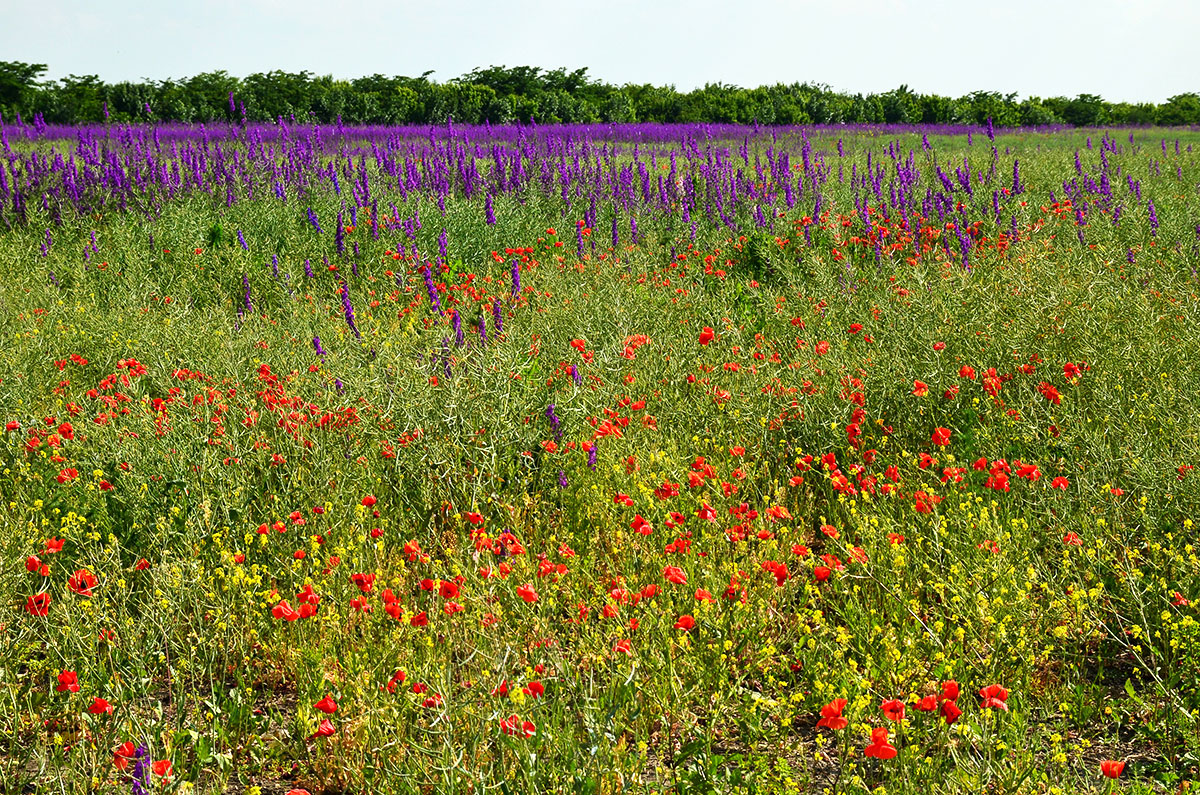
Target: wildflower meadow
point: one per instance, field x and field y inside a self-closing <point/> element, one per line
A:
<point x="598" y="459"/>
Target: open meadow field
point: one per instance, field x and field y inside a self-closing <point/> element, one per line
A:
<point x="608" y="459"/>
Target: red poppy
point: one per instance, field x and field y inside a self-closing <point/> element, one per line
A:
<point x="38" y="604"/>
<point x="513" y="725"/>
<point x="893" y="710"/>
<point x="950" y="690"/>
<point x="706" y="335"/>
<point x="686" y="623"/>
<point x="926" y="704"/>
<point x="674" y="574"/>
<point x="397" y="679"/>
<point x="1112" y="768"/>
<point x="879" y="747"/>
<point x="67" y="681"/>
<point x="941" y="436"/>
<point x="282" y="610"/>
<point x="527" y="592"/>
<point x="419" y="620"/>
<point x="100" y="707"/>
<point x="1050" y="393"/>
<point x="326" y="705"/>
<point x="831" y="715"/>
<point x="325" y="729"/>
<point x="369" y="501"/>
<point x="950" y="712"/>
<point x="534" y="689"/>
<point x="994" y="696"/>
<point x="161" y="768"/>
<point x="82" y="582"/>
<point x="122" y="754"/>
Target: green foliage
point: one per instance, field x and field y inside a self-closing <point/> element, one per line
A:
<point x="502" y="95"/>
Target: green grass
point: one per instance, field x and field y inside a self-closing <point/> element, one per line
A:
<point x="1098" y="661"/>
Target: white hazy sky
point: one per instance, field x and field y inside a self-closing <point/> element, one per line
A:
<point x="1123" y="50"/>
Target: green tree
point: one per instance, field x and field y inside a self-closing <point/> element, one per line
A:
<point x="208" y="95"/>
<point x="77" y="99"/>
<point x="1180" y="109"/>
<point x="1086" y="110"/>
<point x="18" y="84"/>
<point x="278" y="94"/>
<point x="1033" y="112"/>
<point x="901" y="106"/>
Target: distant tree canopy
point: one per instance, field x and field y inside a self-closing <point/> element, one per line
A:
<point x="500" y="95"/>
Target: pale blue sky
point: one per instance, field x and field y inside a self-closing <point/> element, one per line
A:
<point x="1123" y="50"/>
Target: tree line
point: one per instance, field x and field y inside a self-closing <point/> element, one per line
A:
<point x="503" y="95"/>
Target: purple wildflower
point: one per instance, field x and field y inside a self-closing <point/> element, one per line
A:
<point x="431" y="288"/>
<point x="348" y="308"/>
<point x="555" y="422"/>
<point x="141" y="771"/>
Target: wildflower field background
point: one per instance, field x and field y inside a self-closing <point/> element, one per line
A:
<point x="598" y="459"/>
